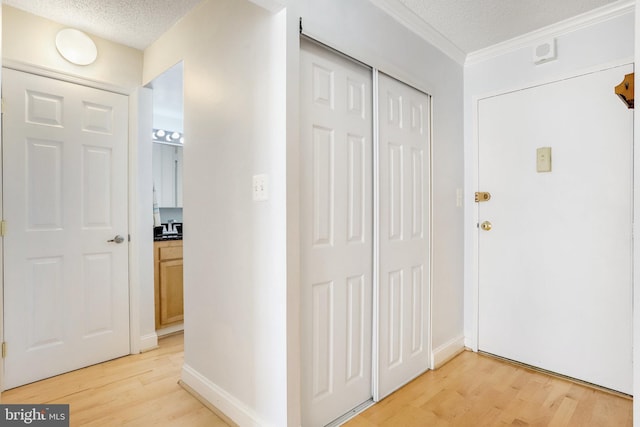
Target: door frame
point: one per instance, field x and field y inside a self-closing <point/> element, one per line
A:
<point x="136" y="198"/>
<point x="471" y="216"/>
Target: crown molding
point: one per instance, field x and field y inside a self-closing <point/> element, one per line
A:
<point x="569" y="25"/>
<point x="411" y="21"/>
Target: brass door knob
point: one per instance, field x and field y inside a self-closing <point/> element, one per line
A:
<point x="486" y="226"/>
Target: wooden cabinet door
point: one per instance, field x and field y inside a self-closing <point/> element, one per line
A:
<point x="171" y="297"/>
<point x="168" y="283"/>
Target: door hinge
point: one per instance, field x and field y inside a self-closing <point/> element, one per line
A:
<point x="4" y="350"/>
<point x="3" y="228"/>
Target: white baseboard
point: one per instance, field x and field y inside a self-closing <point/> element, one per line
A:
<point x="447" y="351"/>
<point x="170" y="330"/>
<point x="148" y="342"/>
<point x="227" y="404"/>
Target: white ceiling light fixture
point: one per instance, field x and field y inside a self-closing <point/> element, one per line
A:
<point x="76" y="47"/>
<point x="167" y="137"/>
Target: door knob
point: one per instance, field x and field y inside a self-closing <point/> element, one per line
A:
<point x="117" y="239"/>
<point x="486" y="226"/>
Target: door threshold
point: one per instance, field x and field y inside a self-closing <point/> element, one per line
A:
<point x="352" y="413"/>
<point x="557" y="375"/>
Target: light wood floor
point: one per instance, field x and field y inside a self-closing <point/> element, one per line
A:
<point x="477" y="390"/>
<point x="140" y="390"/>
<point x="471" y="390"/>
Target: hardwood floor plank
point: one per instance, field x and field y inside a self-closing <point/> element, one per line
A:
<point x="138" y="390"/>
<point x="565" y="411"/>
<point x="471" y="390"/>
<point x="479" y="390"/>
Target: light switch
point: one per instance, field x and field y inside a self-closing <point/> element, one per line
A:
<point x="543" y="159"/>
<point x="260" y="188"/>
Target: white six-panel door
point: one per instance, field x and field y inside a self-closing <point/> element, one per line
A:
<point x="404" y="177"/>
<point x="336" y="227"/>
<point x="66" y="301"/>
<point x="555" y="269"/>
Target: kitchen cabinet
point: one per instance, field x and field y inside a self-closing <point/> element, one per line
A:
<point x="168" y="283"/>
<point x="167" y="174"/>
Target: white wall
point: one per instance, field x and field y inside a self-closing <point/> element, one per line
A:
<point x="591" y="46"/>
<point x="30" y="40"/>
<point x="234" y="248"/>
<point x="141" y="271"/>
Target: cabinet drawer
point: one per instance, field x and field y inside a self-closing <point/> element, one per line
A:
<point x="172" y="252"/>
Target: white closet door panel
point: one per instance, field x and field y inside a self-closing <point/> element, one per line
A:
<point x="336" y="227"/>
<point x="404" y="234"/>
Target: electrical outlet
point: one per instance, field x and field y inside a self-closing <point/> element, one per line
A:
<point x="260" y="188"/>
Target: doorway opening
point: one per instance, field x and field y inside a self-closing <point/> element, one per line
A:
<point x="167" y="164"/>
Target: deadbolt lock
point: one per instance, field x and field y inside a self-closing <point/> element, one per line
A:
<point x="482" y="196"/>
<point x="486" y="226"/>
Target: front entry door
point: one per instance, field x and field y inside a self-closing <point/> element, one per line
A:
<point x="66" y="292"/>
<point x="555" y="246"/>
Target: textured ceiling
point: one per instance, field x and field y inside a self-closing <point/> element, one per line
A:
<point x="470" y="25"/>
<point x="135" y="23"/>
<point x="475" y="24"/>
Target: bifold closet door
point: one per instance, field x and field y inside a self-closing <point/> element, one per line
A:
<point x="336" y="234"/>
<point x="404" y="179"/>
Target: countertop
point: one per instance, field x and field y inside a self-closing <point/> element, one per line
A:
<point x="164" y="237"/>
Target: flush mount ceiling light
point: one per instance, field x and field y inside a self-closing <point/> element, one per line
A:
<point x="76" y="47"/>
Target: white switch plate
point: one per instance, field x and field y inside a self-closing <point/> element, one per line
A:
<point x="260" y="188"/>
<point x="543" y="159"/>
